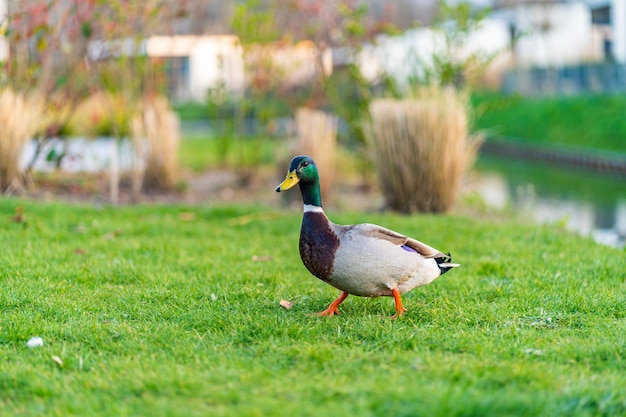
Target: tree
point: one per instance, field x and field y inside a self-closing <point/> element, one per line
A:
<point x="342" y="25"/>
<point x="455" y="24"/>
<point x="45" y="61"/>
<point x="64" y="50"/>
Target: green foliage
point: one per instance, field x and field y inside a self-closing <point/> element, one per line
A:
<point x="264" y="26"/>
<point x="254" y="22"/>
<point x="353" y="29"/>
<point x="164" y="311"/>
<point x="456" y="23"/>
<point x="349" y="95"/>
<point x="62" y="67"/>
<point x="127" y="75"/>
<point x="594" y="121"/>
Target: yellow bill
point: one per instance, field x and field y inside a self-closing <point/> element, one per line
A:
<point x="291" y="180"/>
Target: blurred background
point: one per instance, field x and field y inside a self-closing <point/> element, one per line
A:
<point x="475" y="107"/>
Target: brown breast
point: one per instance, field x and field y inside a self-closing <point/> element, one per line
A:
<point x="318" y="245"/>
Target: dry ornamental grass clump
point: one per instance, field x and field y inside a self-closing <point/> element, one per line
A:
<point x="19" y="120"/>
<point x="317" y="137"/>
<point x="156" y="135"/>
<point x="422" y="148"/>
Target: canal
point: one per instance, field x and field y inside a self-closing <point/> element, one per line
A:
<point x="589" y="203"/>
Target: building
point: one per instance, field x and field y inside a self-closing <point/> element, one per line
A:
<point x="548" y="32"/>
<point x="197" y="64"/>
<point x="565" y="47"/>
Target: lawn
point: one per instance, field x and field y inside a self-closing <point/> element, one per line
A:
<point x="174" y="311"/>
<point x="199" y="153"/>
<point x="588" y="121"/>
<point x="592" y="121"/>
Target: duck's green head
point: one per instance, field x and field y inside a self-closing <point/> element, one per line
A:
<point x="303" y="171"/>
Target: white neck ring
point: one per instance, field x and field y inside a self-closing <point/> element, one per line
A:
<point x="310" y="208"/>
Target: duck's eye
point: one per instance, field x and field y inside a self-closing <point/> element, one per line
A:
<point x="305" y="164"/>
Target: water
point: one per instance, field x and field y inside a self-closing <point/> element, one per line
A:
<point x="588" y="203"/>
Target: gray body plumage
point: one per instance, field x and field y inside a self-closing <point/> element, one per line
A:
<point x="370" y="265"/>
<point x="367" y="260"/>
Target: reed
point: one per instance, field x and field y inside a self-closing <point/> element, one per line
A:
<point x="19" y="120"/>
<point x="155" y="132"/>
<point x="317" y="137"/>
<point x="422" y="148"/>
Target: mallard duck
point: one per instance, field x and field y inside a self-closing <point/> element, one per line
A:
<point x="365" y="259"/>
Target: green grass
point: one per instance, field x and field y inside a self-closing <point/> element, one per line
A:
<point x="200" y="152"/>
<point x="192" y="111"/>
<point x="154" y="313"/>
<point x="585" y="121"/>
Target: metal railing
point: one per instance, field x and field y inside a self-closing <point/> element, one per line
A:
<point x="573" y="156"/>
<point x="579" y="79"/>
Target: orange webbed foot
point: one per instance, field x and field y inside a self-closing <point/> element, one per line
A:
<point x="333" y="308"/>
<point x="328" y="312"/>
<point x="399" y="307"/>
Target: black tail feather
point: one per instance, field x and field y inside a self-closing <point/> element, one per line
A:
<point x="444" y="263"/>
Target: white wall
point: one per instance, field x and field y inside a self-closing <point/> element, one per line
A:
<point x="214" y="61"/>
<point x="217" y="61"/>
<point x="549" y="36"/>
<point x="411" y="54"/>
<point x="400" y="56"/>
<point x="554" y="35"/>
<point x="618" y="25"/>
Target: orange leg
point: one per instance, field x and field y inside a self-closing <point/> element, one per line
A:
<point x="399" y="307"/>
<point x="333" y="308"/>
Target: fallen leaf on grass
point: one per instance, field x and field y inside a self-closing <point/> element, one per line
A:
<point x="287" y="305"/>
<point x="57" y="360"/>
<point x="113" y="234"/>
<point x="19" y="216"/>
<point x="265" y="258"/>
<point x="79" y="251"/>
<point x="187" y="216"/>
